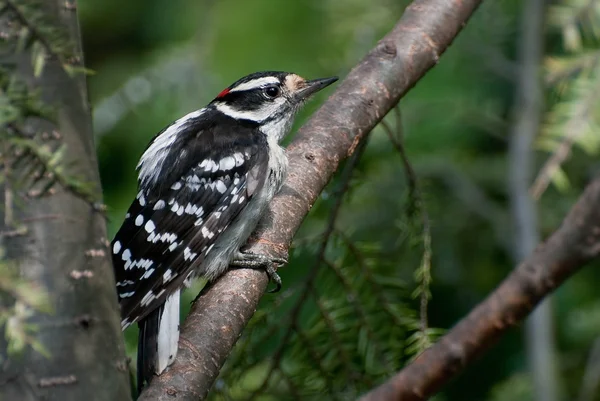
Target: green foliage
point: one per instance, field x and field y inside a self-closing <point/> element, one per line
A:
<point x="574" y="75"/>
<point x="517" y="387"/>
<point x="19" y="299"/>
<point x="32" y="155"/>
<point x="358" y="320"/>
<point x="346" y="319"/>
<point x="33" y="31"/>
<point x="38" y="155"/>
<point x="330" y="336"/>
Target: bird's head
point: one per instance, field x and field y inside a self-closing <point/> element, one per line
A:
<point x="270" y="99"/>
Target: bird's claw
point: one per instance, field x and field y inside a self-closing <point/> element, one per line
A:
<point x="262" y="262"/>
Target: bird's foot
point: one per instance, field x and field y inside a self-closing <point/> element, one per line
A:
<point x="261" y="262"/>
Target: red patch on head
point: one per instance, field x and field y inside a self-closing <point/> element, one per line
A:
<point x="223" y="93"/>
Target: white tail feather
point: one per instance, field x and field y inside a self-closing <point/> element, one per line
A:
<point x="168" y="333"/>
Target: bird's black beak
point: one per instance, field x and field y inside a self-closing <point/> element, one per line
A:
<point x="313" y="86"/>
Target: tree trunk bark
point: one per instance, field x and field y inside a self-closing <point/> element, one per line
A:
<point x="62" y="246"/>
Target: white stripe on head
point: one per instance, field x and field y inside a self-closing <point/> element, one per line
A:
<point x="255" y="84"/>
<point x="266" y="110"/>
<point x="151" y="162"/>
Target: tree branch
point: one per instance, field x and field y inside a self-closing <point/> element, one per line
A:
<point x="576" y="242"/>
<point x="368" y="93"/>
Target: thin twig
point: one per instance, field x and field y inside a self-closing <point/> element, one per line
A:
<point x="33" y="29"/>
<point x="337" y="341"/>
<point x="362" y="315"/>
<point x="397" y="140"/>
<point x="574" y="128"/>
<point x="316" y="360"/>
<point x="312" y="273"/>
<point x="293" y="389"/>
<point x="415" y="204"/>
<point x="378" y="291"/>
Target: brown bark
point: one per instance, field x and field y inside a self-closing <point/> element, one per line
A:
<point x="370" y="90"/>
<point x="576" y="242"/>
<point x="63" y="248"/>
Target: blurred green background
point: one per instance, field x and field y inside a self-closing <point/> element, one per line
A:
<point x="156" y="60"/>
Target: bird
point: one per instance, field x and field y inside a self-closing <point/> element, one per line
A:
<point x="204" y="182"/>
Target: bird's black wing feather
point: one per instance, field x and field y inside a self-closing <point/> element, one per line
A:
<point x="171" y="227"/>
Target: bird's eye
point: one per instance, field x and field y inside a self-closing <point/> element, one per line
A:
<point x="271" y="91"/>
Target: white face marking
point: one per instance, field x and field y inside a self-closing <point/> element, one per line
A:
<point x="139" y="220"/>
<point x="159" y="205"/>
<point x="267" y="110"/>
<point x="149" y="226"/>
<point x="117" y="247"/>
<point x="255" y="83"/>
<point x="151" y="163"/>
<point x="277" y="129"/>
<point x="227" y="163"/>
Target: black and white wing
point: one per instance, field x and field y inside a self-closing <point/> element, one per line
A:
<point x="173" y="223"/>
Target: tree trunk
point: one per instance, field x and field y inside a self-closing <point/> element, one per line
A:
<point x="527" y="116"/>
<point x="62" y="244"/>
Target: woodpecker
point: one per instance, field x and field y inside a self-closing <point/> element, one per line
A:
<point x="204" y="182"/>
